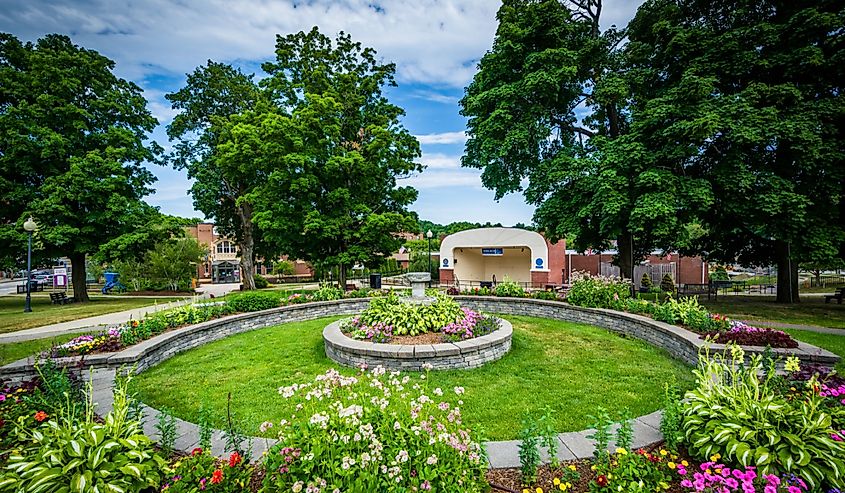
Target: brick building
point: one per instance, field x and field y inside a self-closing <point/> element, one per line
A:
<point x="222" y="264"/>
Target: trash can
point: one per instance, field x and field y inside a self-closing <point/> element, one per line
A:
<point x="375" y="281"/>
<point x="111" y="277"/>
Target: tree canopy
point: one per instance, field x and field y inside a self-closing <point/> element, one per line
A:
<point x="339" y="148"/>
<point x="74" y="138"/>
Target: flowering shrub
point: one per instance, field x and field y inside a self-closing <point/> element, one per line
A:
<point x="744" y="417"/>
<point x="16" y="407"/>
<point x="744" y="334"/>
<point x="474" y="324"/>
<point x="719" y="478"/>
<point x="598" y="291"/>
<point x="378" y="332"/>
<point x="633" y="471"/>
<point x="200" y="471"/>
<point x="409" y="318"/>
<point x="376" y="431"/>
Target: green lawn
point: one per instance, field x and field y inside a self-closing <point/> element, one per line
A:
<point x="12" y="317"/>
<point x="832" y="342"/>
<point x="18" y="350"/>
<point x="811" y="310"/>
<point x="573" y="369"/>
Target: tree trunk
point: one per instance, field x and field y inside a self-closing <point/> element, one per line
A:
<point x="247" y="247"/>
<point x="787" y="273"/>
<point x="78" y="275"/>
<point x="625" y="249"/>
<point x="342" y="276"/>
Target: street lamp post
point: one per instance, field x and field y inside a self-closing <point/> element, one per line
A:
<point x="428" y="235"/>
<point x="29" y="226"/>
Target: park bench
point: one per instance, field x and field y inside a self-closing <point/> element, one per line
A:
<point x="60" y="299"/>
<point x="835" y="296"/>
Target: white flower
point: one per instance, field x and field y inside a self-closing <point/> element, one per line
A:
<point x="297" y="487"/>
<point x="427" y="366"/>
<point x="265" y="426"/>
<point x="438" y="392"/>
<point x="459" y="390"/>
<point x="431" y="460"/>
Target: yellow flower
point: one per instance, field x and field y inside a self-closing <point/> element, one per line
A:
<point x="592" y="468"/>
<point x="556" y="481"/>
<point x="572" y="468"/>
<point x="621" y="451"/>
<point x="664" y="485"/>
<point x="685" y="463"/>
<point x="719" y="471"/>
<point x="568" y="484"/>
<point x="671" y="465"/>
<point x="663" y="452"/>
<point x="715" y="457"/>
<point x="609" y="476"/>
<point x="539" y="490"/>
<point x="562" y="487"/>
<point x="525" y="490"/>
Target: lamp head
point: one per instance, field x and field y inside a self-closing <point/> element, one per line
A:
<point x="30" y="225"/>
<point x="429" y="234"/>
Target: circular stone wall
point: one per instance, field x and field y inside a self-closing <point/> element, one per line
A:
<point x="470" y="353"/>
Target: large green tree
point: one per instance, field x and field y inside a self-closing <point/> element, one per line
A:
<point x="551" y="103"/>
<point x="338" y="148"/>
<point x="73" y="140"/>
<point x="747" y="95"/>
<point x="212" y="95"/>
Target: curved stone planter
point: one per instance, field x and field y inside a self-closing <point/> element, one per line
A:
<point x="679" y="342"/>
<point x="460" y="355"/>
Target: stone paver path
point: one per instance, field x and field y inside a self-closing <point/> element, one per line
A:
<point x="573" y="445"/>
<point x="92" y="323"/>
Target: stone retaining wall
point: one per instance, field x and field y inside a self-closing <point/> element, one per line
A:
<point x="461" y="355"/>
<point x="679" y="342"/>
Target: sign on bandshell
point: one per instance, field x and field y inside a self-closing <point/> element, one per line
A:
<point x="492" y="251"/>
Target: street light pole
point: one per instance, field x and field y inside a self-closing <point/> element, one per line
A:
<point x="29" y="226"/>
<point x="428" y="235"/>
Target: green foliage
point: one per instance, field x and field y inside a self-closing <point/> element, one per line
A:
<point x="598" y="292"/>
<point x="645" y="282"/>
<point x="195" y="472"/>
<point x="509" y="288"/>
<point x="632" y="472"/>
<point x="377" y="408"/>
<point x="671" y="419"/>
<point x="545" y="295"/>
<point x="600" y="423"/>
<point x="283" y="268"/>
<point x="205" y="426"/>
<point x="625" y="432"/>
<point x="260" y="281"/>
<point x="337" y="154"/>
<point x="75" y="139"/>
<point x="174" y="262"/>
<point x="549" y="437"/>
<point x="667" y="284"/>
<point x="327" y="293"/>
<point x="529" y="454"/>
<point x="743" y="417"/>
<point x="410" y="318"/>
<point x="252" y="301"/>
<point x="166" y="427"/>
<point x="687" y="311"/>
<point x="83" y="455"/>
<point x="720" y="274"/>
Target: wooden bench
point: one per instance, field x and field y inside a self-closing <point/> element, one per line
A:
<point x="835" y="296"/>
<point x="60" y="299"/>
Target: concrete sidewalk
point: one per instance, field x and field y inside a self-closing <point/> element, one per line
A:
<point x="90" y="323"/>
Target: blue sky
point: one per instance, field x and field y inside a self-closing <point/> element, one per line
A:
<point x="436" y="45"/>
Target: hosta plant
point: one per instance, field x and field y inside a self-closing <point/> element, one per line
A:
<point x="83" y="455"/>
<point x="376" y="431"/>
<point x="737" y="411"/>
<point x="411" y="319"/>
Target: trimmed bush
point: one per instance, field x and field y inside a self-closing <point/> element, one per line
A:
<point x="260" y="282"/>
<point x="667" y="284"/>
<point x="253" y="301"/>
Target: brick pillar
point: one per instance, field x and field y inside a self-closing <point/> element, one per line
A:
<point x="539" y="279"/>
<point x="447" y="276"/>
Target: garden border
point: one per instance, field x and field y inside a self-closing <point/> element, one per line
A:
<point x="460" y="355"/>
<point x="679" y="342"/>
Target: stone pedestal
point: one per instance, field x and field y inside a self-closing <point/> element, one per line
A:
<point x="418" y="283"/>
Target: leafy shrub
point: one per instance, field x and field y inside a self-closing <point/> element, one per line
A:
<point x="200" y="471"/>
<point x="720" y="274"/>
<point x="260" y="281"/>
<point x="634" y="305"/>
<point x="645" y="282"/>
<point x="667" y="284"/>
<point x="670" y="421"/>
<point x="70" y="454"/>
<point x="358" y="293"/>
<point x="545" y="295"/>
<point x="509" y="288"/>
<point x="453" y="291"/>
<point x="529" y="455"/>
<point x="598" y="292"/>
<point x="741" y="416"/>
<point x="327" y="293"/>
<point x="253" y="301"/>
<point x="384" y="434"/>
<point x="411" y="319"/>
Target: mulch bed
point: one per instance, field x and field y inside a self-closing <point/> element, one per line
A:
<point x="427" y="338"/>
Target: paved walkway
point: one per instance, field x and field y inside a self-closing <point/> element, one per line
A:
<point x="90" y="323"/>
<point x="809" y="328"/>
<point x="573" y="445"/>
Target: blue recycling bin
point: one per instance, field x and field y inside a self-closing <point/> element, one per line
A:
<point x="111" y="277"/>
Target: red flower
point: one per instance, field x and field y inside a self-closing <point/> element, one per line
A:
<point x="40" y="416"/>
<point x="217" y="477"/>
<point x="235" y="459"/>
<point x="601" y="480"/>
<point x="196" y="451"/>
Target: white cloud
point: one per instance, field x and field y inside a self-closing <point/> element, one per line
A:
<point x="442" y="179"/>
<point x="443" y="138"/>
<point x="440" y="161"/>
<point x="435" y="97"/>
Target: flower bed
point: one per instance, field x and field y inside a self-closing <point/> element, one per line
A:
<point x="472" y="324"/>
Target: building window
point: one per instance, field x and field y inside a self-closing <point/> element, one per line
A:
<point x="225" y="247"/>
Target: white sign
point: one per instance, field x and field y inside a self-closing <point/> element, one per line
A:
<point x="60" y="276"/>
<point x="60" y="271"/>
